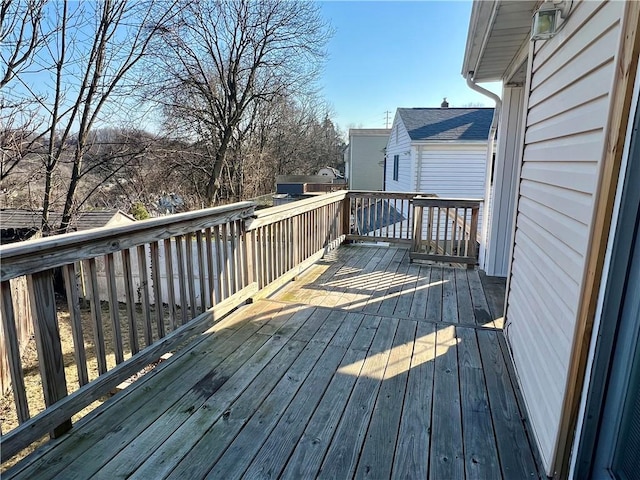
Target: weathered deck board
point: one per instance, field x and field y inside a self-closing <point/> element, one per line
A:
<point x="383" y="285"/>
<point x="342" y="457"/>
<point x="364" y="367"/>
<point x="494" y="291"/>
<point x="376" y="459"/>
<point x="509" y="432"/>
<point x="447" y="459"/>
<point x="412" y="452"/>
<point x="481" y="455"/>
<point x="480" y="306"/>
<point x="463" y="297"/>
<point x="312" y="446"/>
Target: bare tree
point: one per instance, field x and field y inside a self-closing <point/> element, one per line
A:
<point x="224" y="57"/>
<point x="83" y="78"/>
<point x="21" y="38"/>
<point x="20" y="35"/>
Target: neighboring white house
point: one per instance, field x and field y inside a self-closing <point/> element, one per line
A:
<point x="565" y="222"/>
<point x="440" y="151"/>
<point x="364" y="158"/>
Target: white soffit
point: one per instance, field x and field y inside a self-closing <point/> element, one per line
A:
<point x="497" y="31"/>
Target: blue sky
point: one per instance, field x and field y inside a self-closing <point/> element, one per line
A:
<point x="390" y="54"/>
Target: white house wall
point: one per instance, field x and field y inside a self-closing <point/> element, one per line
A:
<point x="453" y="171"/>
<point x="570" y="83"/>
<point x="400" y="144"/>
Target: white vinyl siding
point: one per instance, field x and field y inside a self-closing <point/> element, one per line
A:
<point x="568" y="106"/>
<point x="453" y="171"/>
<point x="399" y="144"/>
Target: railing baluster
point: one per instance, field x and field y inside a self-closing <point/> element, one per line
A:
<point x="454" y="232"/>
<point x="395" y="207"/>
<point x="96" y="316"/>
<point x="277" y="249"/>
<point x="233" y="256"/>
<point x="188" y="239"/>
<point x="184" y="302"/>
<point x="171" y="292"/>
<point x="73" y="303"/>
<point x="144" y="293"/>
<point x="473" y="231"/>
<point x="221" y="254"/>
<point x="446" y="228"/>
<point x="429" y="228"/>
<point x="287" y="245"/>
<point x="114" y="310"/>
<point x="402" y="210"/>
<point x="241" y="256"/>
<point x="211" y="260"/>
<point x="250" y="263"/>
<point x="417" y="219"/>
<point x="13" y="353"/>
<point x="47" y="333"/>
<point x="410" y="216"/>
<point x="156" y="278"/>
<point x="466" y="233"/>
<point x="218" y="243"/>
<point x="204" y="298"/>
<point x="131" y="306"/>
<point x="438" y="223"/>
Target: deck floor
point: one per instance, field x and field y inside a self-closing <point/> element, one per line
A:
<point x="367" y="366"/>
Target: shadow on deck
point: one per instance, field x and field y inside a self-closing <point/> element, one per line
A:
<point x="367" y="366"/>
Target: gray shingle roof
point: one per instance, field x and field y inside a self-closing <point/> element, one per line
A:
<point x="442" y="124"/>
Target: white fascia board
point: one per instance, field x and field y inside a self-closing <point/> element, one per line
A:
<point x="479" y="25"/>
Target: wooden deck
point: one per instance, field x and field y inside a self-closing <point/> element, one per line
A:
<point x="367" y="366"/>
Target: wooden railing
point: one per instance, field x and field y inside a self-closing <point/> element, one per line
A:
<point x="445" y="230"/>
<point x="285" y="240"/>
<point x="150" y="285"/>
<point x="131" y="293"/>
<point x="381" y="216"/>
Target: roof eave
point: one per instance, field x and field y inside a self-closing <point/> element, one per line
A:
<point x="487" y="24"/>
<point x="479" y="24"/>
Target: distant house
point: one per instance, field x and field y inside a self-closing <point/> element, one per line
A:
<point x="331" y="173"/>
<point x="21" y="224"/>
<point x="440" y="151"/>
<point x="364" y="158"/>
<point x="565" y="226"/>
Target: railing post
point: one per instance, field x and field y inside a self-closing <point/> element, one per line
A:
<point x="249" y="245"/>
<point x="473" y="233"/>
<point x="47" y="333"/>
<point x="13" y="352"/>
<point x="346" y="217"/>
<point x="417" y="228"/>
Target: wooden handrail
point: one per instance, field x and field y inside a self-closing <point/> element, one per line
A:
<point x="272" y="215"/>
<point x="31" y="256"/>
<point x="388" y="194"/>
